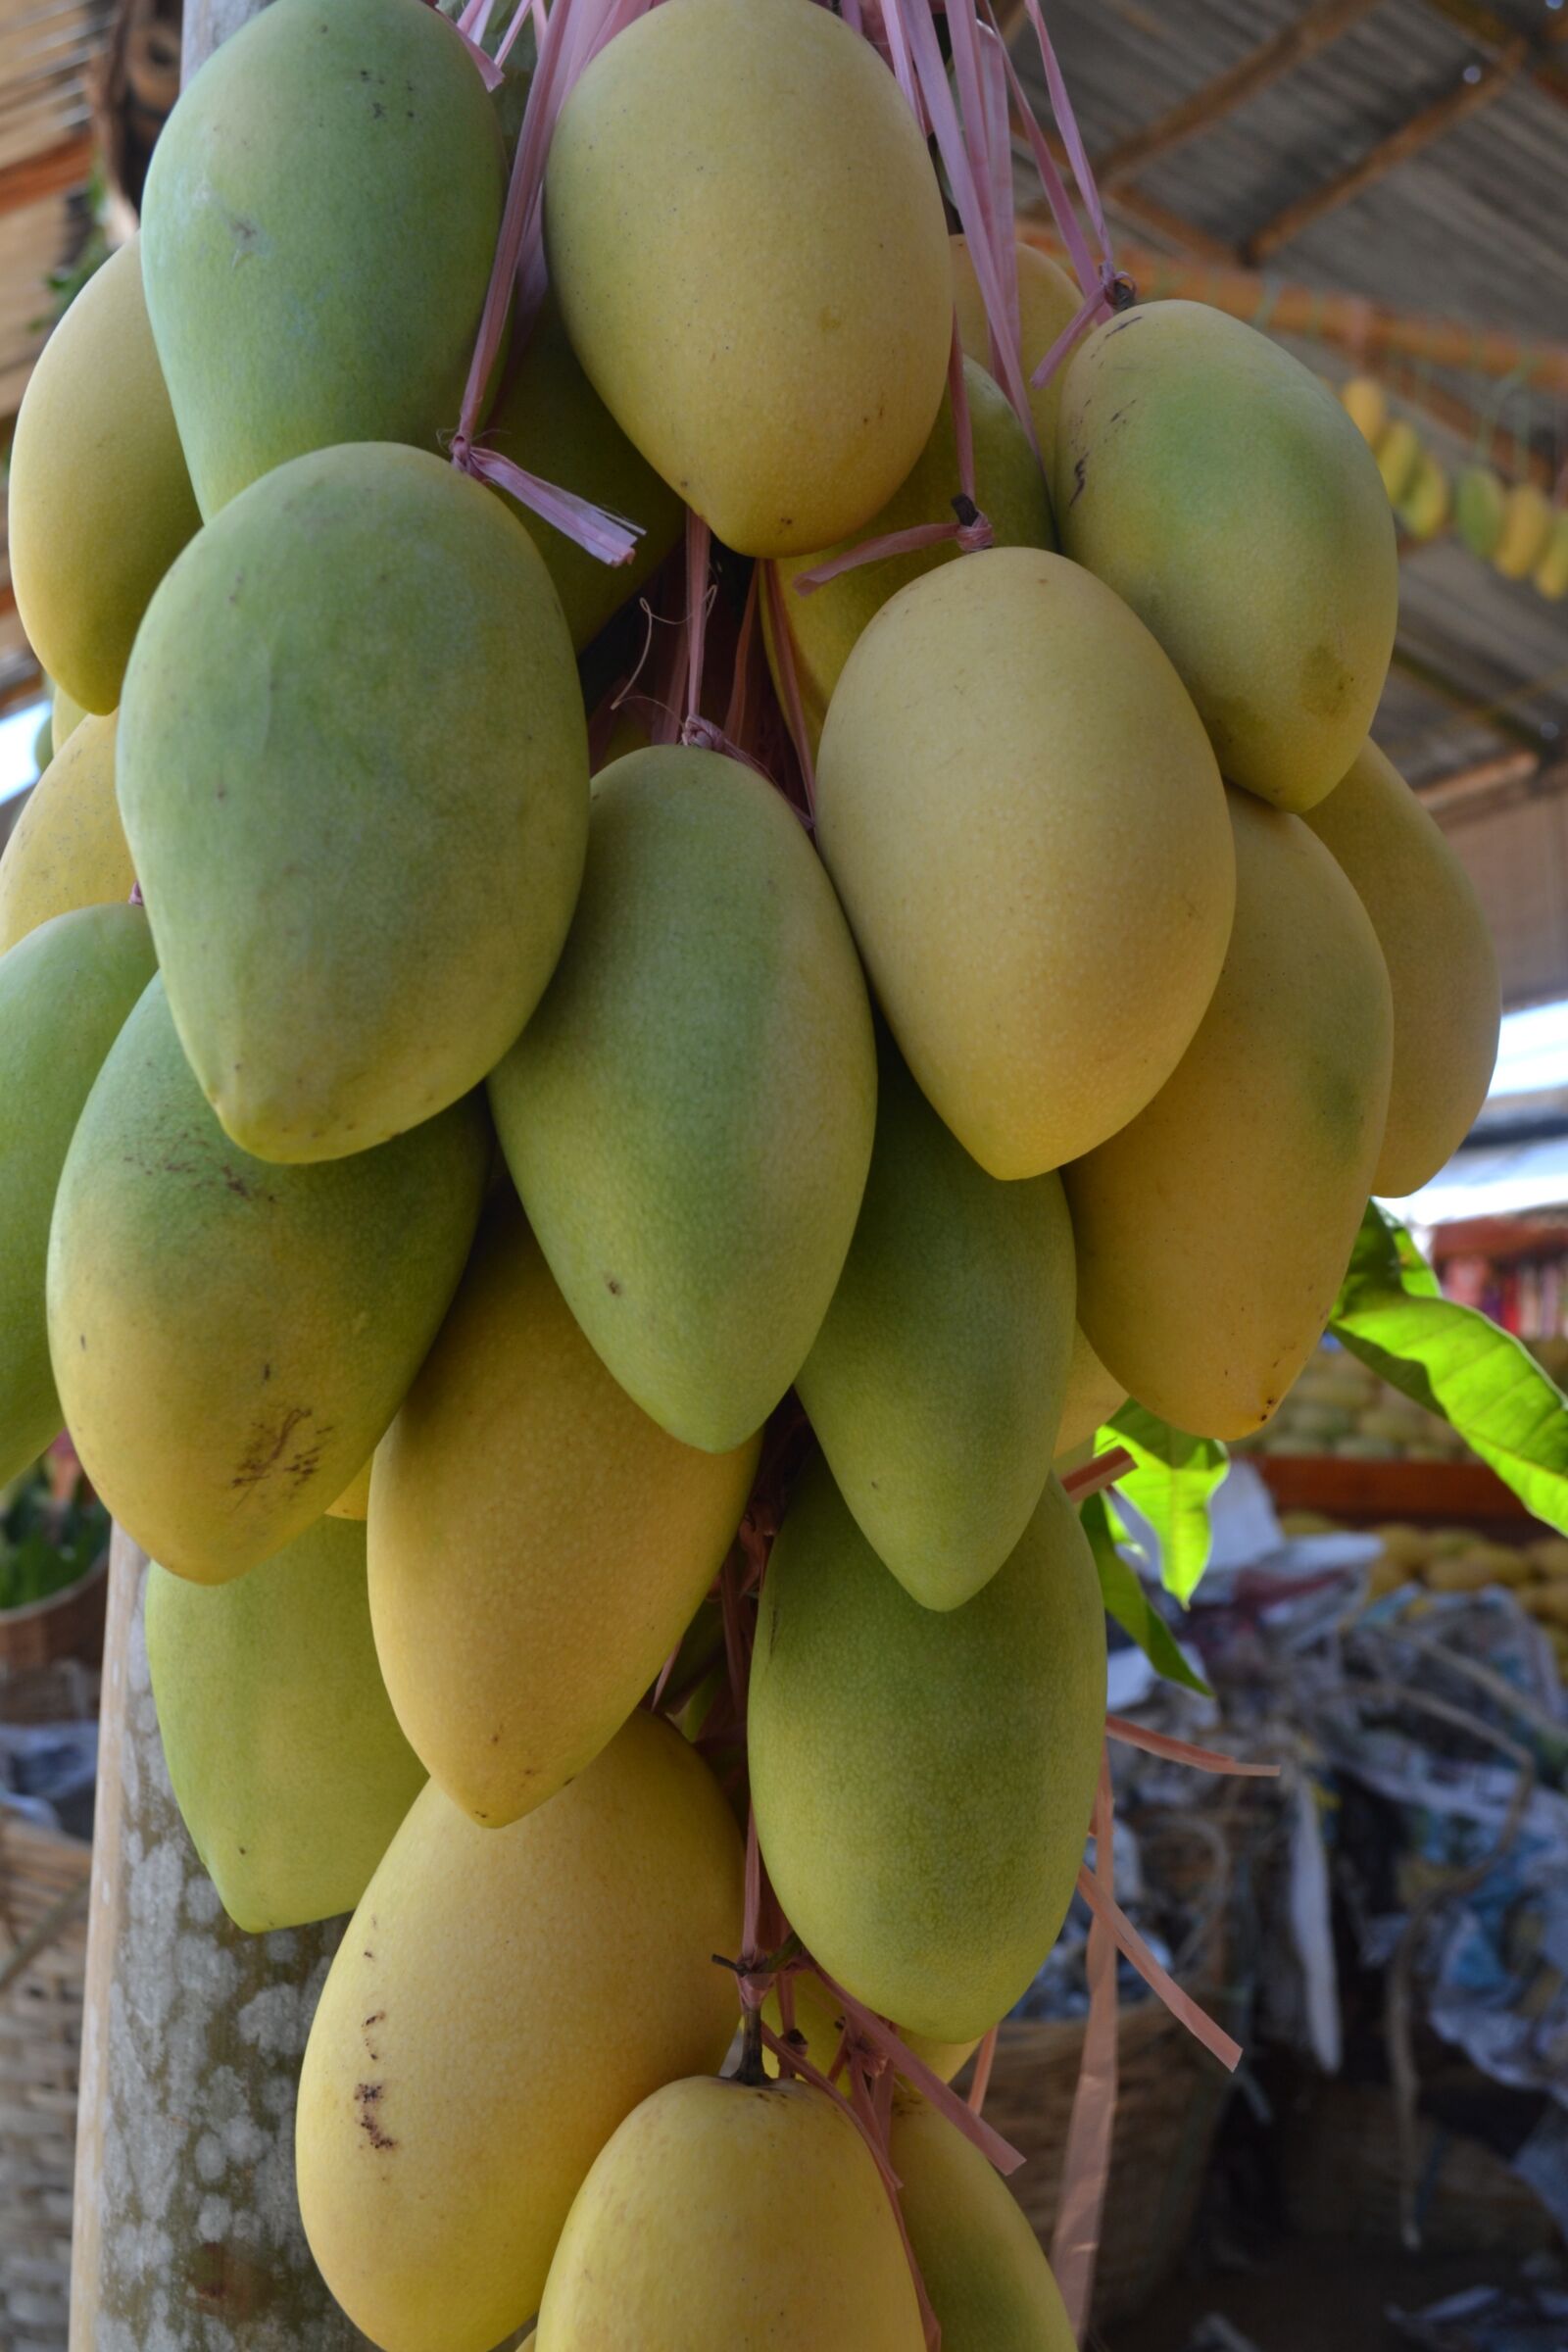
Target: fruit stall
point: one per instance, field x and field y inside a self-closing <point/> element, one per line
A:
<point x="784" y="1544"/>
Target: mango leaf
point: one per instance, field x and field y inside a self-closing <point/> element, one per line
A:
<point x="1126" y="1600"/>
<point x="1170" y="1485"/>
<point x="1457" y="1364"/>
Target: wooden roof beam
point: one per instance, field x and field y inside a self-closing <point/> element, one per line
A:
<point x="1492" y="35"/>
<point x="1155" y="220"/>
<point x="54" y="172"/>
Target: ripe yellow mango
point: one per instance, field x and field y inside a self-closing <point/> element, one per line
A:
<point x="318" y="230"/>
<point x="1551" y="575"/>
<point x="1213" y="1231"/>
<point x="1048" y="304"/>
<point x="1091" y="1399"/>
<point x="230" y="1339"/>
<point x="935" y="1380"/>
<point x="1426" y="505"/>
<point x="1008" y="743"/>
<point x="355" y="1501"/>
<point x="68" y="848"/>
<point x="65" y="717"/>
<point x="819" y="2020"/>
<point x="984" y="2269"/>
<point x="287" y="1761"/>
<point x="537" y="1544"/>
<point x="64" y="991"/>
<point x="1218" y="486"/>
<point x="99" y="503"/>
<point x="502" y="2000"/>
<point x="1366" y="404"/>
<point x="1399" y="454"/>
<point x="353" y="766"/>
<point x="1443" y="966"/>
<point x="1526" y="530"/>
<point x="923" y="1838"/>
<point x="709" y="978"/>
<point x="747" y="239"/>
<point x="1011" y="491"/>
<point x="724" y="2215"/>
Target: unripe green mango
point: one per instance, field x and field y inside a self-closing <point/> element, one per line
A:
<point x="709" y="978"/>
<point x="984" y="2269"/>
<point x="353" y="767"/>
<point x="230" y="1338"/>
<point x="747" y="239"/>
<point x="537" y="1544"/>
<point x="1480" y="510"/>
<point x="68" y="848"/>
<point x="1011" y="489"/>
<point x="1214" y="1230"/>
<point x="936" y="1380"/>
<point x="1442" y="964"/>
<point x="1220" y="487"/>
<point x="550" y="420"/>
<point x="99" y="503"/>
<point x="288" y="1765"/>
<point x="317" y="232"/>
<point x="1006" y="744"/>
<point x="923" y="1780"/>
<point x="1091" y="1398"/>
<point x="502" y="2000"/>
<point x="65" y="716"/>
<point x="64" y="991"/>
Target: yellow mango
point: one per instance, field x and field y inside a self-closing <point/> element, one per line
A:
<point x="1048" y="304"/>
<point x="65" y="717"/>
<point x="355" y="1501"/>
<point x="1427" y="504"/>
<point x="984" y="2269"/>
<point x="99" y="502"/>
<point x="537" y="1543"/>
<point x="747" y="240"/>
<point x="1007" y="745"/>
<point x="502" y="2000"/>
<point x="1551" y="575"/>
<point x="1526" y="522"/>
<point x="1091" y="1399"/>
<point x="1213" y="1231"/>
<point x="1443" y="966"/>
<point x="69" y="848"/>
<point x="1366" y="404"/>
<point x="1400" y="455"/>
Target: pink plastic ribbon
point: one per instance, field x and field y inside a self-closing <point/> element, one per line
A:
<point x="980" y="2081"/>
<point x="1181" y="2005"/>
<point x="1183" y="1751"/>
<point x="1092" y="1477"/>
<point x="609" y="537"/>
<point x="1086" y="2159"/>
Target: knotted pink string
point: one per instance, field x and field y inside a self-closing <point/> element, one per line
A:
<point x="1086" y="2159"/>
<point x="1159" y="1979"/>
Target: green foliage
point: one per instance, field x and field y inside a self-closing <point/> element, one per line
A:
<point x="1126" y="1600"/>
<point x="47" y="1541"/>
<point x="1171" y="1485"/>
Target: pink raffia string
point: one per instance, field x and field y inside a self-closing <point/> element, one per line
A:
<point x="1072" y="139"/>
<point x="1183" y="1751"/>
<point x="1181" y="2005"/>
<point x="989" y="147"/>
<point x="1091" y="1478"/>
<point x="609" y="537"/>
<point x="879" y="2036"/>
<point x="789" y="680"/>
<point x="1086" y="2159"/>
<point x="980" y="2081"/>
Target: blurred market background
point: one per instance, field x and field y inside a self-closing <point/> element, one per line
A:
<point x="1383" y="184"/>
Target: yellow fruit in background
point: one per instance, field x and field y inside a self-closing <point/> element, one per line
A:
<point x="1442" y="964"/>
<point x="1399" y="456"/>
<point x="1426" y="505"/>
<point x="1480" y="510"/>
<point x="1549" y="1555"/>
<point x="1366" y="404"/>
<point x="1214" y="1230"/>
<point x="733" y="2217"/>
<point x="286" y="1758"/>
<point x="501" y="2002"/>
<point x="1092" y="1398"/>
<point x="355" y="1501"/>
<point x="747" y="240"/>
<point x="1527" y="525"/>
<point x="1211" y="481"/>
<point x="1410" y="1546"/>
<point x="1551" y="575"/>
<point x="1022" y="816"/>
<point x="1049" y="300"/>
<point x="68" y="846"/>
<point x="819" y="2020"/>
<point x="984" y="2269"/>
<point x="99" y="503"/>
<point x="537" y="1544"/>
<point x="1548" y="1601"/>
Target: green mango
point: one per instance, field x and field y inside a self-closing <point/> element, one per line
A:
<point x="923" y="1780"/>
<point x="231" y="1338"/>
<point x="286" y="1758"/>
<point x="936" y="1382"/>
<point x="65" y="716"/>
<point x="1480" y="510"/>
<point x="318" y="233"/>
<point x="65" y="991"/>
<point x="1011" y="489"/>
<point x="710" y="979"/>
<point x="353" y="769"/>
<point x="984" y="2269"/>
<point x="550" y="420"/>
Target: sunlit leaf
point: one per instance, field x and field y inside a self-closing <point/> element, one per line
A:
<point x="1129" y="1606"/>
<point x="1171" y="1485"/>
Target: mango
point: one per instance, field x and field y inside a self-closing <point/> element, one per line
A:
<point x="1442" y="964"/>
<point x="317" y="232"/>
<point x="43" y="744"/>
<point x="819" y="2023"/>
<point x="984" y="2269"/>
<point x="1526" y="522"/>
<point x="747" y="239"/>
<point x="66" y="715"/>
<point x="935" y="1382"/>
<point x="1366" y="404"/>
<point x="1049" y="301"/>
<point x="727" y="2214"/>
<point x="68" y="848"/>
<point x="1480" y="510"/>
<point x="355" y="1501"/>
<point x="501" y="2002"/>
<point x="1092" y="1397"/>
<point x="1006" y="744"/>
<point x="1426" y="505"/>
<point x="1011" y="492"/>
<point x="709" y="978"/>
<point x="1214" y="1230"/>
<point x="65" y="990"/>
<point x="1551" y="575"/>
<point x="354" y="774"/>
<point x="1400" y="455"/>
<point x="99" y="503"/>
<point x="288" y="1765"/>
<point x="550" y="420"/>
<point x="923" y="1780"/>
<point x="1212" y="481"/>
<point x="537" y="1544"/>
<point x="230" y="1338"/>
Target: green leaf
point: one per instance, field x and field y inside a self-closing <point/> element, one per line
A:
<point x="1455" y="1362"/>
<point x="1126" y="1600"/>
<point x="1171" y="1485"/>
